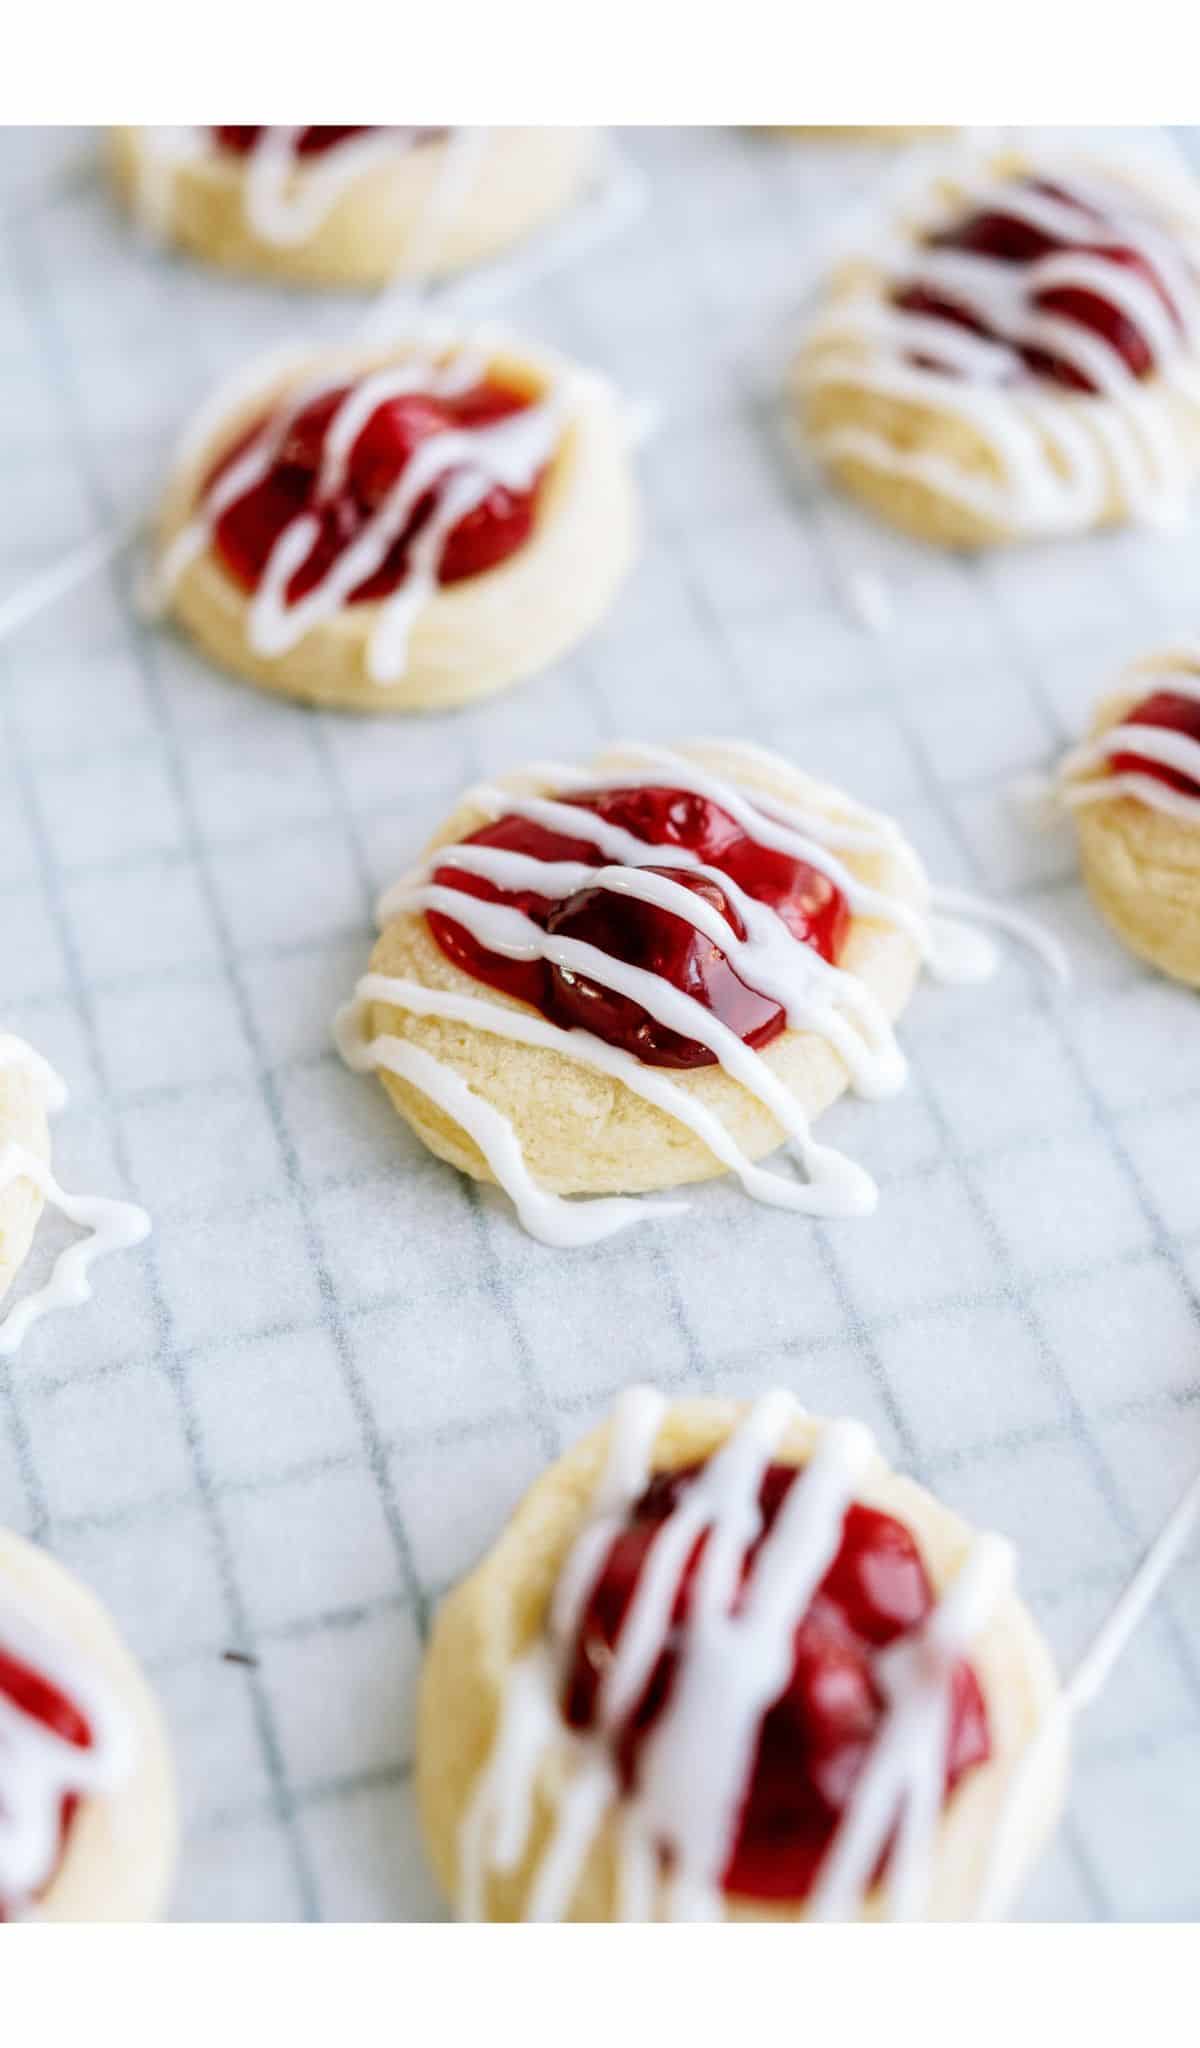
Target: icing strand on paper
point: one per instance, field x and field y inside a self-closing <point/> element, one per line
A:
<point x="1084" y="776"/>
<point x="112" y="1225"/>
<point x="618" y="194"/>
<point x="1003" y="1872"/>
<point x="462" y="465"/>
<point x="39" y="1767"/>
<point x="676" y="1832"/>
<point x="814" y="994"/>
<point x="1058" y="456"/>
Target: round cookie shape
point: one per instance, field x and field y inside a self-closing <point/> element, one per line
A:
<point x="557" y="1095"/>
<point x="1017" y="355"/>
<point x="402" y="528"/>
<point x="348" y="207"/>
<point x="88" y="1816"/>
<point x="809" y="1641"/>
<point x="1133" y="789"/>
<point x="28" y="1091"/>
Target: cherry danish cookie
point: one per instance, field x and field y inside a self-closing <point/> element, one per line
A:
<point x="1018" y="355"/>
<point x="724" y="1664"/>
<point x="399" y="529"/>
<point x="621" y="979"/>
<point x="1133" y="789"/>
<point x="348" y="206"/>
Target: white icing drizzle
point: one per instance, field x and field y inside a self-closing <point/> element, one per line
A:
<point x="1058" y="454"/>
<point x="463" y="164"/>
<point x="112" y="1225"/>
<point x="461" y="465"/>
<point x="1003" y="1873"/>
<point x="672" y="1836"/>
<point x="286" y="197"/>
<point x="695" y="1764"/>
<point x="15" y="1052"/>
<point x="616" y="193"/>
<point x="40" y="1768"/>
<point x="1083" y="775"/>
<point x="962" y="903"/>
<point x="18" y="607"/>
<point x="815" y="995"/>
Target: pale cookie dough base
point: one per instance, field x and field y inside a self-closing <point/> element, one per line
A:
<point x="500" y="1610"/>
<point x="912" y="430"/>
<point x="1142" y="869"/>
<point x="584" y="1132"/>
<point x="22" y="1122"/>
<point x="121" y="1849"/>
<point x="922" y="431"/>
<point x="471" y="638"/>
<point x="374" y="229"/>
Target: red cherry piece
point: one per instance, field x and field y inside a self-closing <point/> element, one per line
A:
<point x="1169" y="712"/>
<point x="641" y="934"/>
<point x="815" y="1738"/>
<point x="388" y="442"/>
<point x="43" y="1702"/>
<point x="1006" y="238"/>
<point x="247" y="530"/>
<point x="309" y="141"/>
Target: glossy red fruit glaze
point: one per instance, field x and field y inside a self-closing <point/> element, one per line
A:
<point x="814" y="1740"/>
<point x="1170" y="713"/>
<point x="1005" y="238"/>
<point x="247" y="531"/>
<point x="309" y="141"/>
<point x="43" y="1702"/>
<point x="640" y="934"/>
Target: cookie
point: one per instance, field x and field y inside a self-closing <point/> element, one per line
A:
<point x="1018" y="354"/>
<point x="88" y="1821"/>
<point x="620" y="980"/>
<point x="402" y="528"/>
<point x="724" y="1664"/>
<point x="348" y="206"/>
<point x="1133" y="790"/>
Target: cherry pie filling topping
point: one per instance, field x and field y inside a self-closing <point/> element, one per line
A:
<point x="36" y="1697"/>
<point x="815" y="1738"/>
<point x="1007" y="238"/>
<point x="246" y="532"/>
<point x="311" y="142"/>
<point x="641" y="934"/>
<point x="1169" y="712"/>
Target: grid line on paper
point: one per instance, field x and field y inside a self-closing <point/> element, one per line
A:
<point x="367" y="1361"/>
<point x="1162" y="1242"/>
<point x="293" y="1175"/>
<point x="176" y="1378"/>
